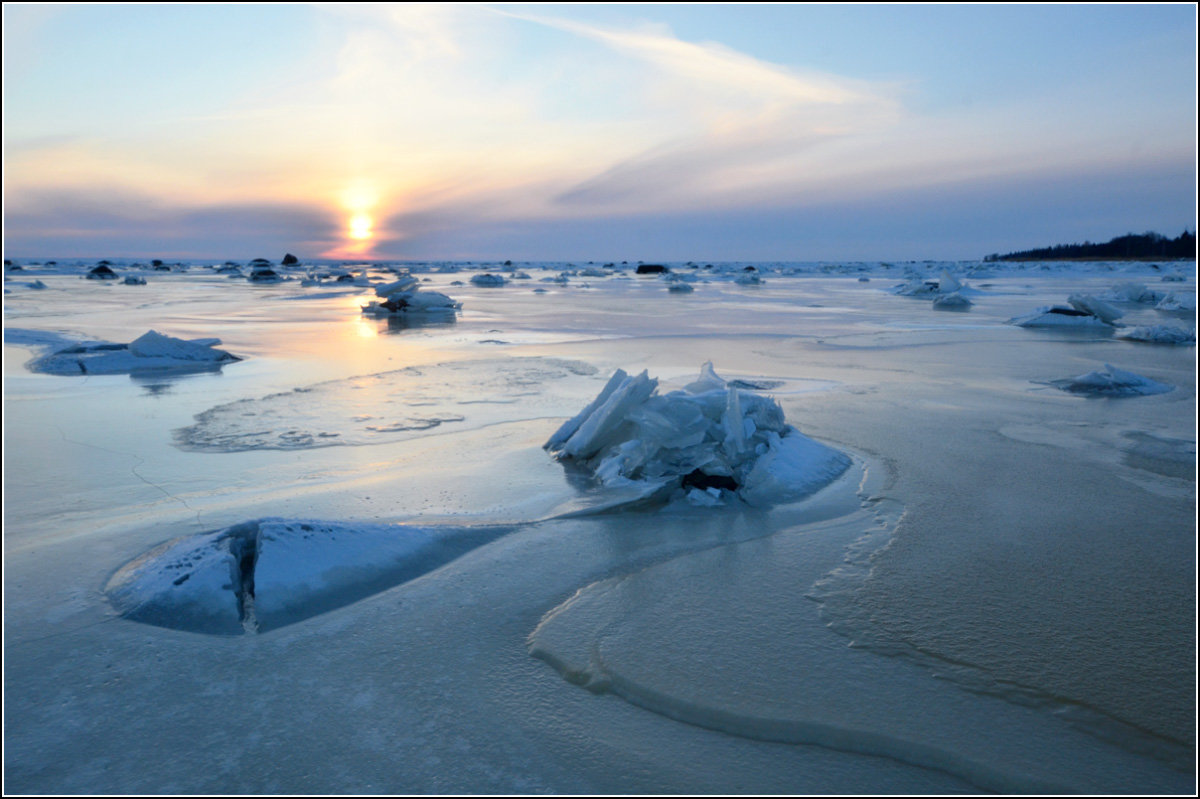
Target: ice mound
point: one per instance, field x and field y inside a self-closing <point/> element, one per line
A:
<point x="152" y="351"/>
<point x="404" y="296"/>
<point x="1173" y="301"/>
<point x="1060" y="316"/>
<point x="1132" y="292"/>
<point x="919" y="287"/>
<point x="488" y="279"/>
<point x="1112" y="382"/>
<point x="1094" y="306"/>
<point x="951" y="302"/>
<point x="711" y="440"/>
<point x="1160" y="334"/>
<point x="265" y="574"/>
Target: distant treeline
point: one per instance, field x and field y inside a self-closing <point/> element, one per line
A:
<point x="1128" y="247"/>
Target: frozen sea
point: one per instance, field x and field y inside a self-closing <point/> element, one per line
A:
<point x="998" y="595"/>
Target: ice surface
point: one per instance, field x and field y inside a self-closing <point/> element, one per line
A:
<point x="1112" y="382"/>
<point x="390" y="406"/>
<point x="1025" y="620"/>
<point x="630" y="435"/>
<point x="1177" y="301"/>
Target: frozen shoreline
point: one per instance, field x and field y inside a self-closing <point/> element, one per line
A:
<point x="426" y="672"/>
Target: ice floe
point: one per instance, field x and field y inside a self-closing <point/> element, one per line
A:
<point x="1060" y="316"/>
<point x="264" y="574"/>
<point x="404" y="296"/>
<point x="712" y="440"/>
<point x="1176" y="301"/>
<point x="953" y="301"/>
<point x="1160" y="334"/>
<point x="150" y="352"/>
<point x="488" y="279"/>
<point x="1112" y="382"/>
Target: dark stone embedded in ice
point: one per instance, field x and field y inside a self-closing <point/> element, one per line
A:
<point x="1058" y="309"/>
<point x="698" y="479"/>
<point x="156" y="262"/>
<point x="394" y="305"/>
<point x="289" y="259"/>
<point x="749" y="269"/>
<point x="651" y="269"/>
<point x="260" y="261"/>
<point x="101" y="272"/>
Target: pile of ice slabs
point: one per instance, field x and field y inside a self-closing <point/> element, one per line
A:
<point x="712" y="441"/>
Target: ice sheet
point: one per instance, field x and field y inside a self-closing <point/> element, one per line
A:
<point x="1039" y="587"/>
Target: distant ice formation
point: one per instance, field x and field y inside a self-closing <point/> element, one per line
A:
<point x="1175" y="301"/>
<point x="152" y="351"/>
<point x="951" y="302"/>
<point x="404" y="296"/>
<point x="1059" y="316"/>
<point x="1160" y="334"/>
<point x="265" y="574"/>
<point x="488" y="279"/>
<point x="1112" y="382"/>
<point x="711" y="440"/>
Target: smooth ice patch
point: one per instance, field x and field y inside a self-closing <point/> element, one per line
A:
<point x="727" y="639"/>
<point x="261" y="575"/>
<point x="391" y="406"/>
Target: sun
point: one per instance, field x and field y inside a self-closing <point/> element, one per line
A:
<point x="360" y="227"/>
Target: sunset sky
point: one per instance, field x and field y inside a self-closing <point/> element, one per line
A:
<point x="581" y="132"/>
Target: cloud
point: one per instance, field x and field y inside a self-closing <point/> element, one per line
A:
<point x="122" y="223"/>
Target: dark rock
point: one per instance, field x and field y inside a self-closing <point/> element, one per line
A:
<point x="289" y="259"/>
<point x="1058" y="309"/>
<point x="156" y="262"/>
<point x="698" y="479"/>
<point x="101" y="272"/>
<point x="651" y="269"/>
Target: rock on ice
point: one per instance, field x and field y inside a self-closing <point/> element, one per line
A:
<point x="712" y="437"/>
<point x="404" y="296"/>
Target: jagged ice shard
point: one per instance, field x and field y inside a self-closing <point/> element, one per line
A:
<point x="709" y="440"/>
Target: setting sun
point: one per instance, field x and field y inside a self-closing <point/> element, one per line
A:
<point x="360" y="227"/>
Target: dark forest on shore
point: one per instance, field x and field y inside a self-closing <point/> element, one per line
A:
<point x="1131" y="246"/>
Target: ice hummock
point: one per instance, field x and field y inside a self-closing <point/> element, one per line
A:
<point x="1112" y="382"/>
<point x="710" y="440"/>
<point x="269" y="573"/>
<point x="1160" y="334"/>
<point x="404" y="296"/>
<point x="152" y="351"/>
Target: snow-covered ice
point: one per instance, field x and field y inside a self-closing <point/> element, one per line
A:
<point x="150" y="352"/>
<point x="1112" y="382"/>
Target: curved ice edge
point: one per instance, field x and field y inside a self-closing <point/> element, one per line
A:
<point x="272" y="572"/>
<point x="829" y="736"/>
<point x="599" y="677"/>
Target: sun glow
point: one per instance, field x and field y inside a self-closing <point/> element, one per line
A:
<point x="360" y="227"/>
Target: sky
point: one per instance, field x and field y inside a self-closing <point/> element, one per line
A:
<point x="593" y="132"/>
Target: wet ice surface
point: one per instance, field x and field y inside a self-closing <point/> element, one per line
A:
<point x="1016" y="574"/>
